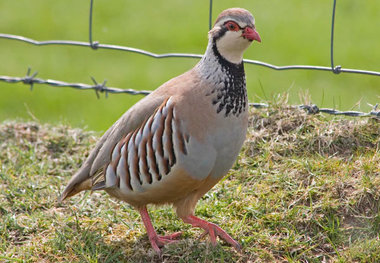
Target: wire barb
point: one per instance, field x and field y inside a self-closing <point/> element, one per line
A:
<point x="29" y="80"/>
<point x="311" y="109"/>
<point x="375" y="112"/>
<point x="100" y="87"/>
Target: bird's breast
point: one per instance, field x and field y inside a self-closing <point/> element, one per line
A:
<point x="228" y="140"/>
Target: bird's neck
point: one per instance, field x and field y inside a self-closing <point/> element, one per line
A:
<point x="213" y="58"/>
<point x="227" y="81"/>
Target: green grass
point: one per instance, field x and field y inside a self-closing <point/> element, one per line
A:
<point x="305" y="189"/>
<point x="293" y="32"/>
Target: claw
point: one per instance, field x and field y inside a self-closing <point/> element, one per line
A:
<point x="203" y="235"/>
<point x="213" y="231"/>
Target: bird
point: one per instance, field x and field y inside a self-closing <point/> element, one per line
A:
<point x="175" y="144"/>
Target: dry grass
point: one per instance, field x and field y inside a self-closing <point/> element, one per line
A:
<point x="305" y="189"/>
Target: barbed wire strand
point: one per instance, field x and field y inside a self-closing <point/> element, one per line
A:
<point x="31" y="79"/>
<point x="310" y="109"/>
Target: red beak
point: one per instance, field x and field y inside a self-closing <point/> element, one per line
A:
<point x="251" y="34"/>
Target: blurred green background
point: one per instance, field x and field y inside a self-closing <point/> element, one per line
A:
<point x="293" y="32"/>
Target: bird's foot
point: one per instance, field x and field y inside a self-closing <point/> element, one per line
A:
<point x="155" y="240"/>
<point x="212" y="230"/>
<point x="159" y="241"/>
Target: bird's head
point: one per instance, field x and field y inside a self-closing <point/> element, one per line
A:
<point x="233" y="32"/>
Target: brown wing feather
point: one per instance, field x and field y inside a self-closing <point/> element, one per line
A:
<point x="100" y="154"/>
<point x="150" y="152"/>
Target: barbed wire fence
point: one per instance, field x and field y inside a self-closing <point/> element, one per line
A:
<point x="31" y="79"/>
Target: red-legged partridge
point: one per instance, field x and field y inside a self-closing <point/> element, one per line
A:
<point x="176" y="143"/>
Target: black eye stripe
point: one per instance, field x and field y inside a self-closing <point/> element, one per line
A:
<point x="223" y="30"/>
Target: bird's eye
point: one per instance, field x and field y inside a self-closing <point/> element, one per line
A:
<point x="232" y="26"/>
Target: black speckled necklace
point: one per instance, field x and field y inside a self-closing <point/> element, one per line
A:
<point x="231" y="96"/>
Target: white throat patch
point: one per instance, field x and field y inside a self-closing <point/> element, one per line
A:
<point x="232" y="46"/>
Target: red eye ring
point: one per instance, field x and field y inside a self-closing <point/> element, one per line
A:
<point x="232" y="26"/>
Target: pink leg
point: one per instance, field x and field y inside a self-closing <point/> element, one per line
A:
<point x="211" y="229"/>
<point x="155" y="240"/>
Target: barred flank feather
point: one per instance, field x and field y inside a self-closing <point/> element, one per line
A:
<point x="145" y="155"/>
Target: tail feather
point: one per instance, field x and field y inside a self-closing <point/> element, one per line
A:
<point x="99" y="186"/>
<point x="82" y="180"/>
<point x="79" y="182"/>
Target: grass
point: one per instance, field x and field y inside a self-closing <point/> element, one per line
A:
<point x="305" y="189"/>
<point x="293" y="32"/>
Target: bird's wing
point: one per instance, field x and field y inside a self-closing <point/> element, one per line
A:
<point x="100" y="154"/>
<point x="146" y="154"/>
<point x="158" y="162"/>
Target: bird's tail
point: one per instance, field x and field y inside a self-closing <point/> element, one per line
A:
<point x="79" y="182"/>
